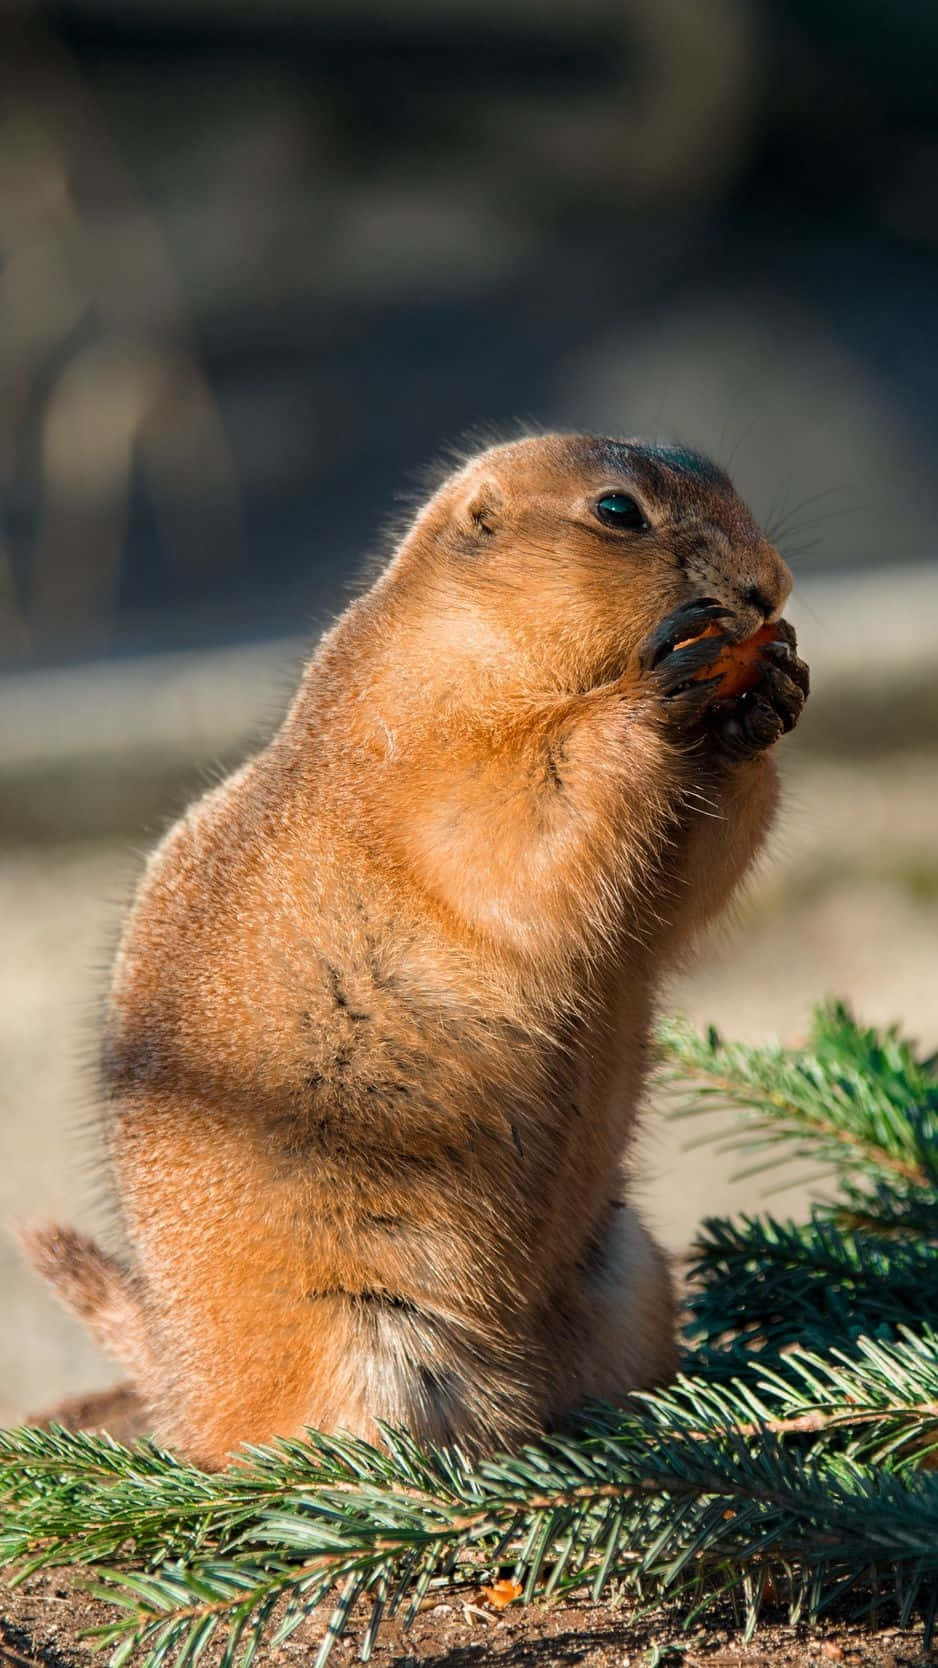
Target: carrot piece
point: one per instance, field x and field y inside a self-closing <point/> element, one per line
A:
<point x="737" y="664"/>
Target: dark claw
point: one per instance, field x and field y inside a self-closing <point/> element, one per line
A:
<point x="687" y="703"/>
<point x="687" y="621"/>
<point x="678" y="668"/>
<point x="784" y="658"/>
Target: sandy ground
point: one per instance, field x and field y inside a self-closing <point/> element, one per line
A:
<point x="847" y="904"/>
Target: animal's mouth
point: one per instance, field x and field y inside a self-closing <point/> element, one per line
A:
<point x="738" y="625"/>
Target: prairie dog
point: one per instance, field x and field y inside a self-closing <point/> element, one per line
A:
<point x="379" y="1024"/>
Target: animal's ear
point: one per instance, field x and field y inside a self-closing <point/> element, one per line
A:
<point x="482" y="509"/>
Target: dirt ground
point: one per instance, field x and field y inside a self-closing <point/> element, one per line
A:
<point x="42" y="1621"/>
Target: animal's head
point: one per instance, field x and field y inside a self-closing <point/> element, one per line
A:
<point x="561" y="552"/>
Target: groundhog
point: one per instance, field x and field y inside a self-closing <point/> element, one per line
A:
<point x="379" y="1026"/>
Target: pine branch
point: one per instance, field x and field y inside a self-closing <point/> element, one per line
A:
<point x="698" y="1482"/>
<point x="764" y="1284"/>
<point x="854" y="1101"/>
<point x="883" y="1398"/>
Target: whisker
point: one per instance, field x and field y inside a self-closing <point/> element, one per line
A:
<point x="802" y="603"/>
<point x="777" y="528"/>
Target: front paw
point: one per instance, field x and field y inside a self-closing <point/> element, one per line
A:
<point x="677" y="676"/>
<point x="746" y="724"/>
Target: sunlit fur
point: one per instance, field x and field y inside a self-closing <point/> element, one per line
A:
<point x="379" y="1024"/>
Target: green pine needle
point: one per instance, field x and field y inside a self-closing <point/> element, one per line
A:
<point x="854" y="1102"/>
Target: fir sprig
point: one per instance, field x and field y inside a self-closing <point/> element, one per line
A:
<point x="698" y="1485"/>
<point x="853" y="1102"/>
<point x="760" y="1283"/>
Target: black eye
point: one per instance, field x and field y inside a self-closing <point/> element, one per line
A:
<point x="617" y="509"/>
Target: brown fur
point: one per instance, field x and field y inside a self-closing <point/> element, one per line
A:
<point x="379" y="1023"/>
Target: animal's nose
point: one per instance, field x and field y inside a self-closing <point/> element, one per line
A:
<point x="767" y="586"/>
<point x="757" y="598"/>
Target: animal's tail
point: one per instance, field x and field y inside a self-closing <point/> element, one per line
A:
<point x="97" y="1288"/>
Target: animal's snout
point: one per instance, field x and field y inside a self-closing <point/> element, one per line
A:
<point x="755" y="597"/>
<point x="764" y="586"/>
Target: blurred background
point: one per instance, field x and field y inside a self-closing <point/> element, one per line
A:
<point x="260" y="264"/>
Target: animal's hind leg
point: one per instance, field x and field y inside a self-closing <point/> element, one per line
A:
<point x="222" y="1242"/>
<point x="626" y="1312"/>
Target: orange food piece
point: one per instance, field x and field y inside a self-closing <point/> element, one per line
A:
<point x="503" y="1593"/>
<point x="737" y="664"/>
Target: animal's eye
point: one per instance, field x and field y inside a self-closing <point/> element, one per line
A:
<point x="617" y="509"/>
